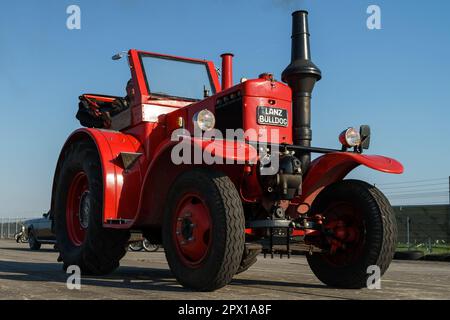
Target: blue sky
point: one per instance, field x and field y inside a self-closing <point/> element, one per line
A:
<point x="396" y="79"/>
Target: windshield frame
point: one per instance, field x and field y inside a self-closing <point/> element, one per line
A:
<point x="209" y="66"/>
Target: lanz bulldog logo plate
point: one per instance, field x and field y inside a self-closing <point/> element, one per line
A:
<point x="272" y="116"/>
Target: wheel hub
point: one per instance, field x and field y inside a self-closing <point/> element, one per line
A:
<point x="78" y="206"/>
<point x="187" y="229"/>
<point x="192" y="230"/>
<point x="344" y="236"/>
<point x="85" y="207"/>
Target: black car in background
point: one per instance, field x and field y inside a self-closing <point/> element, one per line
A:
<point x="39" y="231"/>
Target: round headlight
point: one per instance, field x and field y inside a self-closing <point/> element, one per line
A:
<point x="205" y="120"/>
<point x="350" y="138"/>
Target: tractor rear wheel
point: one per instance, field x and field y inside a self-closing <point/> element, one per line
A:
<point x="204" y="230"/>
<point x="78" y="219"/>
<point x="360" y="231"/>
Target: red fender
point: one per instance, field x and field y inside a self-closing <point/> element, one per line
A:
<point x="116" y="180"/>
<point x="333" y="167"/>
<point x="228" y="150"/>
<point x="159" y="177"/>
<point x="156" y="183"/>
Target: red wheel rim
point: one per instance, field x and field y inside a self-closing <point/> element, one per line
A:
<point x="346" y="241"/>
<point x="77" y="209"/>
<point x="192" y="230"/>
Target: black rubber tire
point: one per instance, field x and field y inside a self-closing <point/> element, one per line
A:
<point x="102" y="248"/>
<point x="409" y="255"/>
<point x="249" y="258"/>
<point x="33" y="242"/>
<point x="228" y="230"/>
<point x="380" y="234"/>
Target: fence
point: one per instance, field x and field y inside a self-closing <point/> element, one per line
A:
<point x="425" y="228"/>
<point x="9" y="227"/>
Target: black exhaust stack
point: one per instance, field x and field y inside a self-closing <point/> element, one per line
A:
<point x="301" y="75"/>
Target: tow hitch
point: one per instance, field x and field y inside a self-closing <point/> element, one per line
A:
<point x="281" y="231"/>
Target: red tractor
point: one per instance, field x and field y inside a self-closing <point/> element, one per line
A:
<point x="123" y="173"/>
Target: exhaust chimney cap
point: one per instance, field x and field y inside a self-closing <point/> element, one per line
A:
<point x="300" y="11"/>
<point x="301" y="64"/>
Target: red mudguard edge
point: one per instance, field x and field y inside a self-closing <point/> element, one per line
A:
<point x="116" y="180"/>
<point x="333" y="167"/>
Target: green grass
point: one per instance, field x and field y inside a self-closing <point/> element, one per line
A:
<point x="435" y="248"/>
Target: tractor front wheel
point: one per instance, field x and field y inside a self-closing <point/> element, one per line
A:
<point x="249" y="258"/>
<point x="359" y="231"/>
<point x="204" y="230"/>
<point x="78" y="219"/>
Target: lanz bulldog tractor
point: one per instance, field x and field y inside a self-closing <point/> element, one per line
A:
<point x="122" y="172"/>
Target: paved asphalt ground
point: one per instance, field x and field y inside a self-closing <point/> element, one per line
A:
<point x="36" y="275"/>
